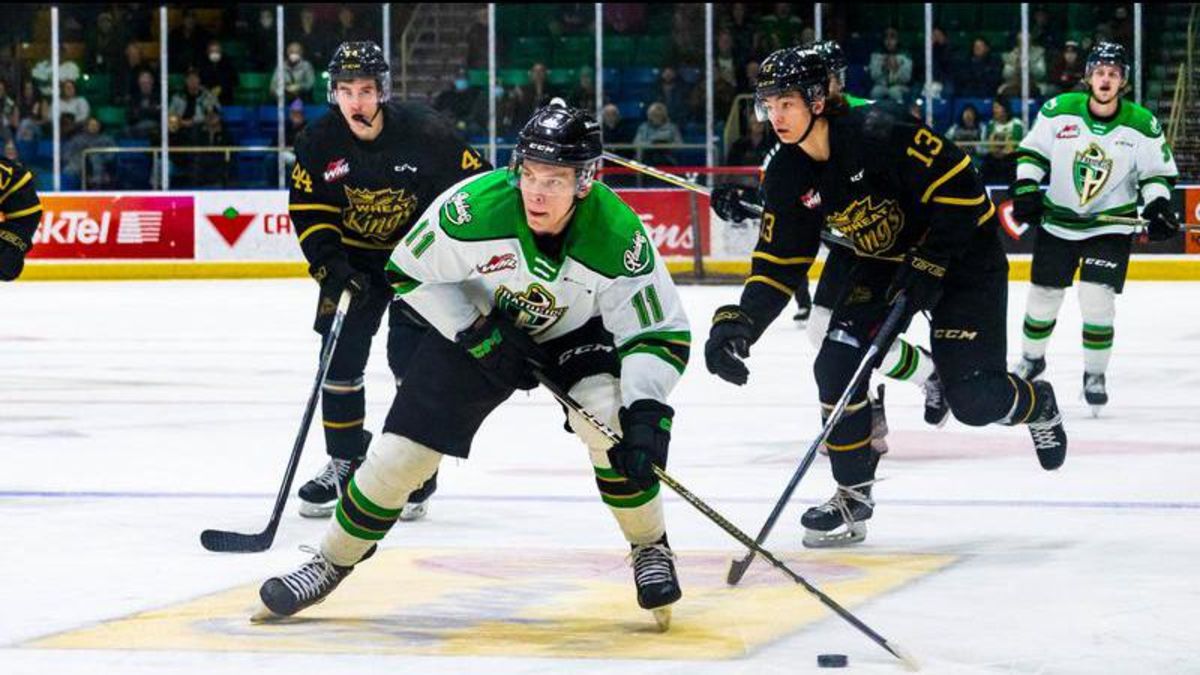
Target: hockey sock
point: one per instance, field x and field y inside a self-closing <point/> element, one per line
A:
<point x="1097" y="304"/>
<point x="907" y="363"/>
<point x="1041" y="312"/>
<point x="343" y="409"/>
<point x="1024" y="402"/>
<point x="818" y="325"/>
<point x="395" y="466"/>
<point x="850" y="453"/>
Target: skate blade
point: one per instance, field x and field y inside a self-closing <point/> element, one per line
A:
<point x="264" y="615"/>
<point x="412" y="512"/>
<point x="853" y="534"/>
<point x="662" y="616"/>
<point x="310" y="510"/>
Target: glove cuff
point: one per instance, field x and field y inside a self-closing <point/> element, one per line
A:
<point x="732" y="313"/>
<point x="649" y="411"/>
<point x="1023" y="187"/>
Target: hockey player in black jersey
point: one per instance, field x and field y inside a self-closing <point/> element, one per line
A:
<point x="363" y="174"/>
<point x="921" y="225"/>
<point x="22" y="212"/>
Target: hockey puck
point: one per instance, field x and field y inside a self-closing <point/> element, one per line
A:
<point x="832" y="660"/>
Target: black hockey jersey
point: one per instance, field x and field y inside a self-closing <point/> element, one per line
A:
<point x="19" y="205"/>
<point x="890" y="183"/>
<point x="350" y="194"/>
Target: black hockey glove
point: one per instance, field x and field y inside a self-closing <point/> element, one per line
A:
<point x="729" y="344"/>
<point x="12" y="255"/>
<point x="727" y="202"/>
<point x="336" y="276"/>
<point x="1027" y="202"/>
<point x="506" y="354"/>
<point x="646" y="433"/>
<point x="920" y="278"/>
<point x="1164" y="222"/>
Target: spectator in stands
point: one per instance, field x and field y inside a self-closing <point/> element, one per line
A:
<point x="1012" y="70"/>
<point x="186" y="44"/>
<point x="779" y="29"/>
<point x="212" y="168"/>
<point x="218" y="74"/>
<point x="673" y="94"/>
<point x="1121" y="26"/>
<point x="943" y="65"/>
<point x="611" y="127"/>
<point x="464" y="105"/>
<point x="298" y="74"/>
<point x="750" y="77"/>
<point x="1002" y="135"/>
<point x="658" y="129"/>
<point x="99" y="165"/>
<point x="980" y="74"/>
<point x="1067" y="71"/>
<point x="129" y="72"/>
<point x="346" y="30"/>
<point x="316" y="41"/>
<point x="686" y="23"/>
<point x="967" y="130"/>
<point x="751" y="149"/>
<point x="741" y="27"/>
<point x="625" y="17"/>
<point x="477" y="40"/>
<point x="10" y="151"/>
<point x="145" y="110"/>
<point x="260" y="33"/>
<point x="9" y="116"/>
<point x="531" y="95"/>
<point x="70" y="102"/>
<point x="584" y="95"/>
<point x="190" y="108"/>
<point x="104" y="44"/>
<point x="891" y="69"/>
<point x="296" y="122"/>
<point x="43" y="75"/>
<point x="1041" y="33"/>
<point x="34" y="109"/>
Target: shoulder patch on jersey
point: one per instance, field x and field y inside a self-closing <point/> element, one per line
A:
<point x="457" y="209"/>
<point x="638" y="256"/>
<point x="608" y="238"/>
<point x="1140" y="119"/>
<point x="483" y="208"/>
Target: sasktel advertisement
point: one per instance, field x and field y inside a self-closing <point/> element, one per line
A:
<point x="254" y="226"/>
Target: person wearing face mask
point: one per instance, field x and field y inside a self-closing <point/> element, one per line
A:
<point x="218" y="74"/>
<point x="298" y="74"/>
<point x="363" y="175"/>
<point x="1101" y="154"/>
<point x="462" y="104"/>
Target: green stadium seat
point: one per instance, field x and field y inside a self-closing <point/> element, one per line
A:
<point x="619" y="50"/>
<point x="525" y="50"/>
<point x="574" y="51"/>
<point x="511" y="77"/>
<point x="477" y="77"/>
<point x="563" y="77"/>
<point x="653" y="51"/>
<point x="112" y="117"/>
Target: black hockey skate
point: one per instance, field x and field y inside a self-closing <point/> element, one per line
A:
<point x="319" y="496"/>
<point x="654" y="575"/>
<point x="1094" y="392"/>
<point x="285" y="595"/>
<point x="417" y="506"/>
<point x="839" y="521"/>
<point x="1030" y="369"/>
<point x="937" y="410"/>
<point x="1046" y="428"/>
<point x="803" y="305"/>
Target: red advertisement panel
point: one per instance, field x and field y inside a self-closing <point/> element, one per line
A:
<point x="667" y="215"/>
<point x="116" y="227"/>
<point x="1191" y="216"/>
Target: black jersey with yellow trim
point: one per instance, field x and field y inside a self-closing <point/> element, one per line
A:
<point x="348" y="194"/>
<point x="20" y="206"/>
<point x="892" y="183"/>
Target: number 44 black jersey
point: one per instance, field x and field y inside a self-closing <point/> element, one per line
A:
<point x="890" y="183"/>
<point x="352" y="195"/>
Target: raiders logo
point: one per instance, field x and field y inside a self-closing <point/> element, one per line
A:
<point x="637" y="257"/>
<point x="872" y="227"/>
<point x="457" y="209"/>
<point x="1091" y="172"/>
<point x="378" y="214"/>
<point x="533" y="311"/>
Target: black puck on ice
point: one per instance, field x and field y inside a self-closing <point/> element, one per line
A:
<point x="832" y="660"/>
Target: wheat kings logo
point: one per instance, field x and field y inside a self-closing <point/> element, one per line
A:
<point x="1091" y="172"/>
<point x="872" y="227"/>
<point x="533" y="311"/>
<point x="637" y="257"/>
<point x="378" y="214"/>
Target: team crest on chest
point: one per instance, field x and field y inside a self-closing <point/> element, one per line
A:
<point x="534" y="310"/>
<point x="1091" y="172"/>
<point x="872" y="227"/>
<point x="377" y="214"/>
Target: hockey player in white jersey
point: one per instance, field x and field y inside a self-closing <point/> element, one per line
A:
<point x="1100" y="153"/>
<point x="536" y="264"/>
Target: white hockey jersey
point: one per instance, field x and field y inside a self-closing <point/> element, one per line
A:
<point x="472" y="251"/>
<point x="1096" y="166"/>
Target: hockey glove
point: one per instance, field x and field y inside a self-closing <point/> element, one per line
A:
<point x="506" y="354"/>
<point x="729" y="344"/>
<point x="12" y="255"/>
<point x="727" y="202"/>
<point x="1164" y="222"/>
<point x="336" y="276"/>
<point x="646" y="428"/>
<point x="920" y="278"/>
<point x="1027" y="202"/>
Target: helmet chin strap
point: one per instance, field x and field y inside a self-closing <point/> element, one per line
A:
<point x="812" y="121"/>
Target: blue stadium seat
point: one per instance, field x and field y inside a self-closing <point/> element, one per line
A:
<point x="45" y="149"/>
<point x="631" y="109"/>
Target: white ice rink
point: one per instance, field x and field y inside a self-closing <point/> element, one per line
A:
<point x="133" y="415"/>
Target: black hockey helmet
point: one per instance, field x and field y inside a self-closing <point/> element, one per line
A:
<point x="791" y="69"/>
<point x="559" y="134"/>
<point x="357" y="60"/>
<point x="835" y="58"/>
<point x="1110" y="54"/>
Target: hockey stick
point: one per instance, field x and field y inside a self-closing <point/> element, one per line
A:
<point x="223" y="541"/>
<point x="883" y="339"/>
<point x="895" y="650"/>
